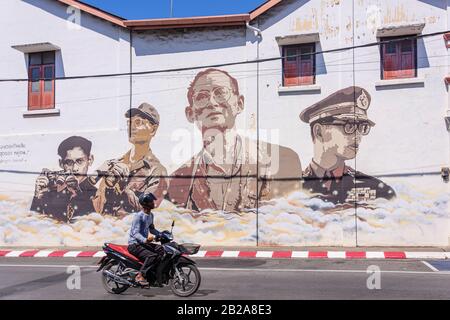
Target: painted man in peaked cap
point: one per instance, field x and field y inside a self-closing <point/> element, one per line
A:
<point x="338" y="124"/>
<point x="124" y="179"/>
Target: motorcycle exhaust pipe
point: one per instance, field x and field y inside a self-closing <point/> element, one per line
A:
<point x="117" y="279"/>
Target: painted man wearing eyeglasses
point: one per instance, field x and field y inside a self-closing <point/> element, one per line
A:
<point x="68" y="193"/>
<point x="222" y="176"/>
<point x="338" y="124"/>
<point x="137" y="172"/>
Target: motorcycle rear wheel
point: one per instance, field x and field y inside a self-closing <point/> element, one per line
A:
<point x="185" y="287"/>
<point x="110" y="285"/>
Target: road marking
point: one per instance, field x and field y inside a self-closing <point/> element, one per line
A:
<point x="99" y="254"/>
<point x="246" y="269"/>
<point x="42" y="253"/>
<point x="264" y="254"/>
<point x="336" y="254"/>
<point x="299" y="254"/>
<point x="430" y="266"/>
<point x="199" y="254"/>
<point x="230" y="254"/>
<point x="14" y="253"/>
<point x="71" y="254"/>
<point x="425" y="255"/>
<point x="375" y="255"/>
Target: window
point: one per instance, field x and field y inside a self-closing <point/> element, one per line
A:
<point x="299" y="67"/>
<point x="41" y="80"/>
<point x="398" y="58"/>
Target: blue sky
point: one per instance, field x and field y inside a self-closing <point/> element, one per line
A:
<point x="151" y="9"/>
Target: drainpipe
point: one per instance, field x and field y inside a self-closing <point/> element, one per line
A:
<point x="259" y="36"/>
<point x="258" y="31"/>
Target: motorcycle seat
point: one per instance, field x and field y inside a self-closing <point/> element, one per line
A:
<point x="122" y="249"/>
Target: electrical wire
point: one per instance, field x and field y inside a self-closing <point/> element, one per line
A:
<point x="353" y="47"/>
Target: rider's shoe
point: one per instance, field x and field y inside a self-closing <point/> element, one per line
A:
<point x="141" y="282"/>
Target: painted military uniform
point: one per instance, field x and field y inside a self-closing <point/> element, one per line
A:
<point x="146" y="175"/>
<point x="203" y="184"/>
<point x="64" y="205"/>
<point x="344" y="185"/>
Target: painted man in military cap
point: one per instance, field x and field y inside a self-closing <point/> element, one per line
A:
<point x="338" y="124"/>
<point x="124" y="179"/>
<point x="222" y="176"/>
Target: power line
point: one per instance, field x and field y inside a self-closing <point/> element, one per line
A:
<point x="378" y="43"/>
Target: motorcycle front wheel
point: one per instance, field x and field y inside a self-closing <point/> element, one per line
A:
<point x="188" y="282"/>
<point x="110" y="285"/>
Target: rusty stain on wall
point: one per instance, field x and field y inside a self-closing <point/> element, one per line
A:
<point x="308" y="23"/>
<point x="395" y="15"/>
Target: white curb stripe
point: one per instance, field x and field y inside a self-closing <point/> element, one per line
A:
<point x="230" y="254"/>
<point x="14" y="253"/>
<point x="259" y="254"/>
<point x="99" y="254"/>
<point x="299" y="254"/>
<point x="425" y="255"/>
<point x="336" y="254"/>
<point x="264" y="254"/>
<point x="42" y="253"/>
<point x="71" y="254"/>
<point x="199" y="254"/>
<point x="375" y="255"/>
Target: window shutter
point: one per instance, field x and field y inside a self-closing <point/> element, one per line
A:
<point x="407" y="56"/>
<point x="34" y="88"/>
<point x="48" y="86"/>
<point x="391" y="67"/>
<point x="291" y="67"/>
<point x="306" y="75"/>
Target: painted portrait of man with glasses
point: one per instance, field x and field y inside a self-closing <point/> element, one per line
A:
<point x="67" y="193"/>
<point x="223" y="175"/>
<point x="338" y="124"/>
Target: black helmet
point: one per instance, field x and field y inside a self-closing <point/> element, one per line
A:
<point x="146" y="199"/>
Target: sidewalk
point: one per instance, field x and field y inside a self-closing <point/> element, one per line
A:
<point x="254" y="252"/>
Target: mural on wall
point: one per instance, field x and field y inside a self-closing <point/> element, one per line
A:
<point x="139" y="171"/>
<point x="67" y="193"/>
<point x="216" y="196"/>
<point x="337" y="126"/>
<point x="222" y="176"/>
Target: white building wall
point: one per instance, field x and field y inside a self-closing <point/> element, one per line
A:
<point x="88" y="107"/>
<point x="409" y="137"/>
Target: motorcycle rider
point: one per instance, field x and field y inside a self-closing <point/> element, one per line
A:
<point x="139" y="241"/>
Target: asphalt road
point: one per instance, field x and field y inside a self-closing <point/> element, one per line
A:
<point x="239" y="279"/>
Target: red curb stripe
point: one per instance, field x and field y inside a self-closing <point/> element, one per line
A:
<point x="4" y="252"/>
<point x="86" y="254"/>
<point x="29" y="253"/>
<point x="213" y="254"/>
<point x="57" y="253"/>
<point x="395" y="255"/>
<point x="317" y="255"/>
<point x="282" y="254"/>
<point x="355" y="255"/>
<point x="247" y="254"/>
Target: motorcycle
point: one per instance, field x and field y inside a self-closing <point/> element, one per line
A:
<point x="119" y="267"/>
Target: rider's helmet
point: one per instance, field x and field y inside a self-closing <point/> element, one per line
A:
<point x="146" y="200"/>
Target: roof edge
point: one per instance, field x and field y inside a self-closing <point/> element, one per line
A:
<point x="263" y="8"/>
<point x="95" y="12"/>
<point x="235" y="19"/>
<point x="165" y="23"/>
